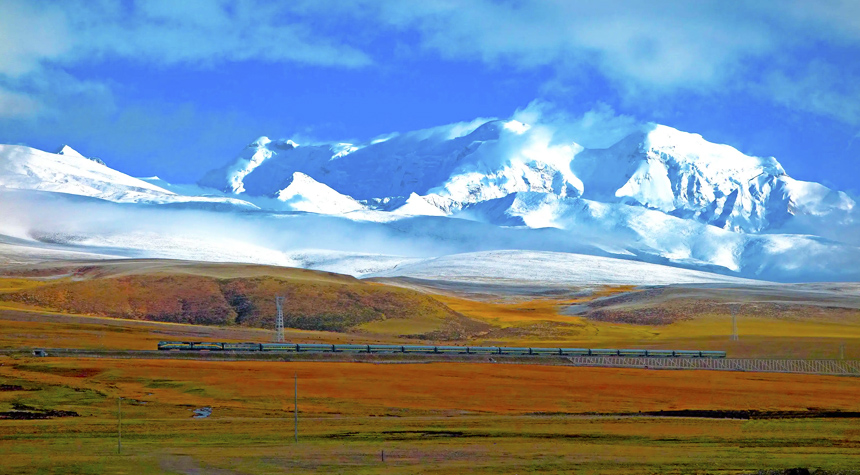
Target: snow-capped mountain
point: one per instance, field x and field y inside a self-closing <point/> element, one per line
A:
<point x="657" y="168"/>
<point x="659" y="195"/>
<point x="306" y="194"/>
<point x="67" y="171"/>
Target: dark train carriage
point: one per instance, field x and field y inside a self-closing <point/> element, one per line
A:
<point x="386" y="348"/>
<point x="278" y="346"/>
<point x="418" y="349"/>
<point x="545" y="351"/>
<point x="245" y="346"/>
<point x="574" y="351"/>
<point x="206" y="346"/>
<point x="350" y="348"/>
<point x="510" y="350"/>
<point x="174" y="345"/>
<point x="482" y="350"/>
<point x="313" y="347"/>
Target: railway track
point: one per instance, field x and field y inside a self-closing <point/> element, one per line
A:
<point x="795" y="366"/>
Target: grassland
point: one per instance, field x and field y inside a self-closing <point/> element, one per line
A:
<point x="236" y="301"/>
<point x="427" y="418"/>
<point x="436" y="418"/>
<point x="230" y="294"/>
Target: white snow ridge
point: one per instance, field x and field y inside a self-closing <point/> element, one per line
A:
<point x="306" y="194"/>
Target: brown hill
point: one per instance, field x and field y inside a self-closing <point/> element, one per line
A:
<point x="223" y="294"/>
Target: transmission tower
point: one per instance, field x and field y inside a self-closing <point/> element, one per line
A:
<point x="279" y="323"/>
<point x="735" y="323"/>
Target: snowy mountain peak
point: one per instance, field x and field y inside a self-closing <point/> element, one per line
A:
<point x="69" y="172"/>
<point x="415" y="205"/>
<point x="516" y="127"/>
<point x="692" y="149"/>
<point x="260" y="142"/>
<point x="69" y="151"/>
<point x="685" y="175"/>
<point x="306" y="194"/>
<point x="340" y="150"/>
<point x="657" y="168"/>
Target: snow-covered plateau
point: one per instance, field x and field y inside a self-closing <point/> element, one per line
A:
<point x="659" y="206"/>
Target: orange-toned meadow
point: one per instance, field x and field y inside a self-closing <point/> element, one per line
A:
<point x="426" y="418"/>
<point x="367" y="388"/>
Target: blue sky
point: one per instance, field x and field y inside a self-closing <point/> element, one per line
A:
<point x="177" y="88"/>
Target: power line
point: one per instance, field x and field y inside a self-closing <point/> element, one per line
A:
<point x="735" y="336"/>
<point x="279" y="322"/>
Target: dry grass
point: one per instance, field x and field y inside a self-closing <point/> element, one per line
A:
<point x="248" y="387"/>
<point x="353" y="310"/>
<point x="432" y="418"/>
<point x="315" y="301"/>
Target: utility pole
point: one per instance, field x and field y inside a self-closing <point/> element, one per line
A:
<point x="842" y="351"/>
<point x="279" y="323"/>
<point x="734" y="324"/>
<point x="119" y="426"/>
<point x="296" y="405"/>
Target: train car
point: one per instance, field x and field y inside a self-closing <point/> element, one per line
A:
<point x="206" y="346"/>
<point x="313" y="347"/>
<point x="174" y="345"/>
<point x="602" y="352"/>
<point x="545" y="351"/>
<point x="660" y="353"/>
<point x="509" y="350"/>
<point x="574" y="351"/>
<point x="386" y="348"/>
<point x="426" y="349"/>
<point x="482" y="350"/>
<point x="241" y="346"/>
<point x="419" y="349"/>
<point x="278" y="346"/>
<point x="449" y="349"/>
<point x="350" y="348"/>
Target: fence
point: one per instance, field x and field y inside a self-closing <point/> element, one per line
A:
<point x="835" y="367"/>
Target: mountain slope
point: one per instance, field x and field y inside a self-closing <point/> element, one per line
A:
<point x="658" y="168"/>
<point x="306" y="194"/>
<point x="659" y="195"/>
<point x="555" y="268"/>
<point x="70" y="172"/>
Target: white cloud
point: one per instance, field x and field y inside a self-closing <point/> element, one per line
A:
<point x="820" y="88"/>
<point x="161" y="32"/>
<point x="14" y="105"/>
<point x="647" y="49"/>
<point x="30" y="34"/>
<point x="661" y="44"/>
<point x="599" y="127"/>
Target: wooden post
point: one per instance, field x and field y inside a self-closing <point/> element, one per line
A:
<point x="296" y="406"/>
<point x="119" y="426"/>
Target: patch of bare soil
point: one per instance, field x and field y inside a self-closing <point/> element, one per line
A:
<point x="24" y="412"/>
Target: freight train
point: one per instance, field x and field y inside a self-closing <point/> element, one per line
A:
<point x="425" y="349"/>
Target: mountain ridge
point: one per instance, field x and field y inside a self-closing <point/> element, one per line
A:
<point x="658" y="195"/>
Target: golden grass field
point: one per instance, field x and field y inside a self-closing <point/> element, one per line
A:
<point x="427" y="418"/>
